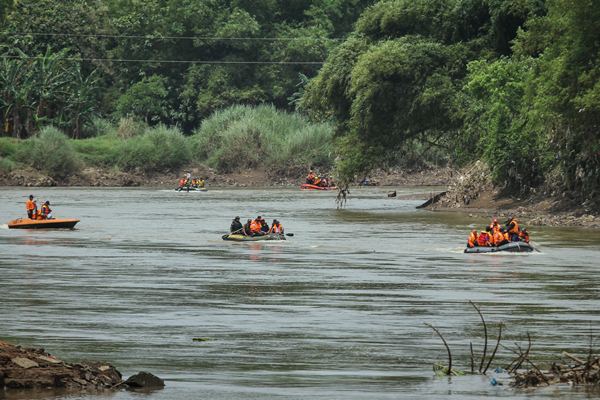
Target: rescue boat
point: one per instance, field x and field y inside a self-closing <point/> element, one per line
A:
<point x="55" y="223"/>
<point x="236" y="237"/>
<point x="308" y="186"/>
<point x="512" y="247"/>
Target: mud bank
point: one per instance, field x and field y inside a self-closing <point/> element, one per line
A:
<point x="471" y="191"/>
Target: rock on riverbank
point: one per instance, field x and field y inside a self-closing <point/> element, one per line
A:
<point x="29" y="368"/>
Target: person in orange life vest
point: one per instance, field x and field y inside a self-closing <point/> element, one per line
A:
<point x="512" y="226"/>
<point x="310" y="178"/>
<point x="472" y="241"/>
<point x="45" y="212"/>
<point x="498" y="237"/>
<point x="256" y="227"/>
<point x="31" y="207"/>
<point x="484" y="238"/>
<point x="276" y="227"/>
<point x="524" y="235"/>
<point x="495" y="226"/>
<point x="317" y="181"/>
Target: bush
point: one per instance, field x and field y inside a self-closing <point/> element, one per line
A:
<point x="101" y="151"/>
<point x="51" y="152"/>
<point x="248" y="137"/>
<point x="129" y="127"/>
<point x="158" y="149"/>
<point x="8" y="146"/>
<point x="98" y="127"/>
<point x="6" y="165"/>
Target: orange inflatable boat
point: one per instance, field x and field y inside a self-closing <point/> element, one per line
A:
<point x="307" y="186"/>
<point x="26" y="223"/>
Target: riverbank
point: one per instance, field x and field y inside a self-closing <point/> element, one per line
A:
<point x="99" y="177"/>
<point x="471" y="191"/>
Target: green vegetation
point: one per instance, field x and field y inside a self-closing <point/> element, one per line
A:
<point x="405" y="82"/>
<point x="512" y="82"/>
<point x="250" y="137"/>
<point x="235" y="138"/>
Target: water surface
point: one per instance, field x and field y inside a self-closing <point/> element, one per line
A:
<point x="335" y="312"/>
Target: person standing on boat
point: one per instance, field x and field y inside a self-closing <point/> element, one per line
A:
<point x="31" y="207"/>
<point x="236" y="226"/>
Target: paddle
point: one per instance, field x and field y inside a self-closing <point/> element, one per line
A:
<point x="289" y="234"/>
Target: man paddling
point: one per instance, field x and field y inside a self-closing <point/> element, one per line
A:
<point x="236" y="226"/>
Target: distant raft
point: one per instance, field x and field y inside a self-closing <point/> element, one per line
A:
<point x="307" y="186"/>
<point x="191" y="190"/>
<point x="57" y="223"/>
<point x="236" y="237"/>
<point x="512" y="247"/>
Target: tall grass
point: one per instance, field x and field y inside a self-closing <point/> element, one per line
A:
<point x="50" y="151"/>
<point x="248" y="137"/>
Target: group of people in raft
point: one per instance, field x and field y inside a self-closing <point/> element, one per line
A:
<point x="44" y="212"/>
<point x="187" y="182"/>
<point x="256" y="227"/>
<point x="314" y="179"/>
<point x="495" y="235"/>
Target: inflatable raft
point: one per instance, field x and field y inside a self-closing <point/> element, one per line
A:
<point x="236" y="237"/>
<point x="57" y="223"/>
<point x="192" y="190"/>
<point x="306" y="186"/>
<point x="512" y="247"/>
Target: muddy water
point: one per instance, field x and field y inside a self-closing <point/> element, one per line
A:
<point x="335" y="312"/>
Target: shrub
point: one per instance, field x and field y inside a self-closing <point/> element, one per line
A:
<point x="158" y="149"/>
<point x="129" y="127"/>
<point x="249" y="137"/>
<point x="6" y="165"/>
<point x="51" y="152"/>
<point x="8" y="146"/>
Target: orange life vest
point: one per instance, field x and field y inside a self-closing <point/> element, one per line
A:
<point x="483" y="239"/>
<point x="524" y="237"/>
<point x="515" y="228"/>
<point x="472" y="239"/>
<point x="30" y="205"/>
<point x="255" y="226"/>
<point x="498" y="238"/>
<point x="276" y="228"/>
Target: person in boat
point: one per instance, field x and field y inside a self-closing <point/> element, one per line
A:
<point x="484" y="238"/>
<point x="472" y="241"/>
<point x="256" y="227"/>
<point x="264" y="227"/>
<point x="246" y="230"/>
<point x="45" y="211"/>
<point x="236" y="226"/>
<point x="494" y="225"/>
<point x="181" y="184"/>
<point x="276" y="228"/>
<point x="310" y="178"/>
<point x="201" y="183"/>
<point x="499" y="237"/>
<point x="31" y="207"/>
<point x="524" y="235"/>
<point x="512" y="227"/>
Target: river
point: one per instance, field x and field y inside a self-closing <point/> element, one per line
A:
<point x="335" y="312"/>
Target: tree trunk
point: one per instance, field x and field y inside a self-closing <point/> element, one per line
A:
<point x="16" y="124"/>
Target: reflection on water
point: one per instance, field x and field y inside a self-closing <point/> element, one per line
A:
<point x="337" y="311"/>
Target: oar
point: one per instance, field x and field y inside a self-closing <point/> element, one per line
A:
<point x="289" y="234"/>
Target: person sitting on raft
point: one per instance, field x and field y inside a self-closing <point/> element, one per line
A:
<point x="247" y="231"/>
<point x="45" y="211"/>
<point x="484" y="238"/>
<point x="236" y="226"/>
<point x="264" y="227"/>
<point x="512" y="227"/>
<point x="311" y="177"/>
<point x="472" y="241"/>
<point x="256" y="227"/>
<point x="31" y="207"/>
<point x="276" y="228"/>
<point x="524" y="235"/>
<point x="499" y="237"/>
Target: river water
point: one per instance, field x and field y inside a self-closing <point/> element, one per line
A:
<point x="335" y="312"/>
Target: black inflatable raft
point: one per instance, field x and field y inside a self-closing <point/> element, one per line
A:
<point x="512" y="247"/>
